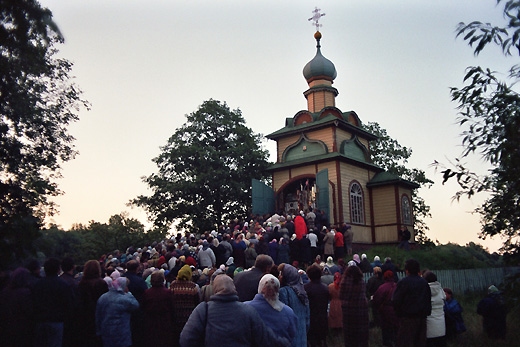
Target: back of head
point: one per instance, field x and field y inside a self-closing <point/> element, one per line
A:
<point x="430" y="277"/>
<point x="132" y="266"/>
<point x="67" y="264"/>
<point x="264" y="263"/>
<point x="354" y="272"/>
<point x="51" y="267"/>
<point x="120" y="284"/>
<point x="92" y="269"/>
<point x="388" y="275"/>
<point x="314" y="273"/>
<point x="412" y="266"/>
<point x="223" y="285"/>
<point x="269" y="286"/>
<point x="157" y="279"/>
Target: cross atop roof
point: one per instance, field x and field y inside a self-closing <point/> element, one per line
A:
<point x="316" y="17"/>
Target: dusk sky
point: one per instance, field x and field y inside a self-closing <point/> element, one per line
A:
<point x="144" y="65"/>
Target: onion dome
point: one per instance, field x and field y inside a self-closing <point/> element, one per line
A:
<point x="319" y="67"/>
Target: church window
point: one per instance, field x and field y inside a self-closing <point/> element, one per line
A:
<point x="406" y="209"/>
<point x="357" y="214"/>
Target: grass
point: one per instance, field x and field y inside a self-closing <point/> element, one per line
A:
<point x="473" y="337"/>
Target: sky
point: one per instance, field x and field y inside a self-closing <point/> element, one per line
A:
<point x="145" y="65"/>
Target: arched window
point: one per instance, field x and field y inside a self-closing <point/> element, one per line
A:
<point x="357" y="213"/>
<point x="406" y="209"/>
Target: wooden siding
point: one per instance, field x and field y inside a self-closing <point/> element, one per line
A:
<point x="342" y="135"/>
<point x="384" y="205"/>
<point x="325" y="135"/>
<point x="303" y="170"/>
<point x="387" y="233"/>
<point x="362" y="234"/>
<point x="318" y="100"/>
<point x="283" y="143"/>
<point x="279" y="178"/>
<point x="351" y="173"/>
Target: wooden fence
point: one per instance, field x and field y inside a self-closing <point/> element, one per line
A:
<point x="469" y="280"/>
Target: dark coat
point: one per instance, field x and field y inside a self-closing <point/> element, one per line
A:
<point x="355" y="310"/>
<point x="493" y="310"/>
<point x="318" y="294"/>
<point x="158" y="308"/>
<point x="382" y="301"/>
<point x="246" y="283"/>
<point x="89" y="291"/>
<point x="412" y="297"/>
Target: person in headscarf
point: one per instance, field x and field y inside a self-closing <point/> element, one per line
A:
<point x="230" y="267"/>
<point x="333" y="268"/>
<point x="185" y="298"/>
<point x="292" y="293"/>
<point x="207" y="290"/>
<point x="354" y="306"/>
<point x="275" y="314"/>
<point x="335" y="312"/>
<point x="382" y="303"/>
<point x="225" y="321"/>
<point x="113" y="313"/>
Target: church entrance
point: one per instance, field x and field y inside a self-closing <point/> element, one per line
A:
<point x="298" y="195"/>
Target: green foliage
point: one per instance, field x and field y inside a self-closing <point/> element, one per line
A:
<point x="37" y="103"/>
<point x="390" y="155"/>
<point x="83" y="243"/>
<point x="489" y="113"/>
<point x="205" y="171"/>
<point x="441" y="257"/>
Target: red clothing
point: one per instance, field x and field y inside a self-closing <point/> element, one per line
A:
<point x="338" y="240"/>
<point x="300" y="227"/>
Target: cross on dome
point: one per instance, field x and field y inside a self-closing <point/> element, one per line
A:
<point x="316" y="17"/>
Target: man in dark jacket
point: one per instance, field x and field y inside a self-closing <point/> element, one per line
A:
<point x="412" y="304"/>
<point x="246" y="282"/>
<point x="52" y="302"/>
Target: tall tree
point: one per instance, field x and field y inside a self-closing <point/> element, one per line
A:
<point x="489" y="113"/>
<point x="205" y="170"/>
<point x="37" y="102"/>
<point x="390" y="155"/>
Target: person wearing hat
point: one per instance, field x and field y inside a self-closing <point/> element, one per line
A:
<point x="225" y="321"/>
<point x="493" y="311"/>
<point x="185" y="298"/>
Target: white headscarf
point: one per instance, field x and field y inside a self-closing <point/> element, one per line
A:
<point x="269" y="287"/>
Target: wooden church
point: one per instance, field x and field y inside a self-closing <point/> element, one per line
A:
<point x="323" y="162"/>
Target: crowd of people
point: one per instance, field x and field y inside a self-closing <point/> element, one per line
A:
<point x="273" y="282"/>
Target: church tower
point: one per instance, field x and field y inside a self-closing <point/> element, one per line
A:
<point x="323" y="163"/>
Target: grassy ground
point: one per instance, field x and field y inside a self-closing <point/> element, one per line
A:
<point x="473" y="337"/>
